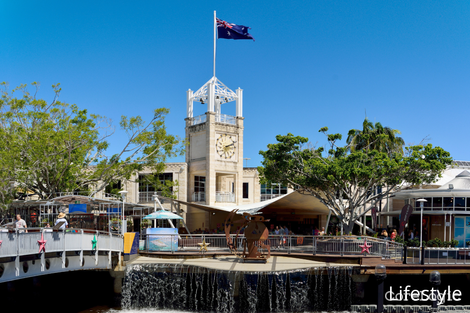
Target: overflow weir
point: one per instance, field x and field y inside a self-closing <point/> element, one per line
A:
<point x="226" y="284"/>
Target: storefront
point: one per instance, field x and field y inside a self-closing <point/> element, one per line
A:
<point x="446" y="210"/>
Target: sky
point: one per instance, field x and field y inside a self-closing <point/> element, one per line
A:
<point x="405" y="64"/>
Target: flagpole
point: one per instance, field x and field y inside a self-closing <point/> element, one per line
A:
<point x="215" y="38"/>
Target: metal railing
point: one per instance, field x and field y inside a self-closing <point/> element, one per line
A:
<point x="265" y="197"/>
<point x="18" y="242"/>
<point x="437" y="255"/>
<point x="199" y="197"/>
<point x="221" y="196"/>
<point x="147" y="196"/>
<point x="354" y="245"/>
<point x="226" y="119"/>
<point x="200" y="119"/>
<point x="336" y="245"/>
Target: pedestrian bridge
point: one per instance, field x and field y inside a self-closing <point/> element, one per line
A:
<point x="42" y="251"/>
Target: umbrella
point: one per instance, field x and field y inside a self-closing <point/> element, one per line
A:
<point x="162" y="215"/>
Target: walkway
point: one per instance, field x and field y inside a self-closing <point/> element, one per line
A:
<point x="232" y="263"/>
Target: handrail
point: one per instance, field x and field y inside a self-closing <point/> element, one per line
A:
<point x="335" y="245"/>
<point x="431" y="255"/>
<point x="17" y="242"/>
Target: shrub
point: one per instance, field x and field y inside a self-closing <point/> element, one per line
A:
<point x="399" y="239"/>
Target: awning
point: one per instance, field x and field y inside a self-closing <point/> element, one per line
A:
<point x="292" y="203"/>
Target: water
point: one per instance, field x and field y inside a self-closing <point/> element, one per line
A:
<point x="170" y="288"/>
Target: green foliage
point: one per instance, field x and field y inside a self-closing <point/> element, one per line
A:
<point x="341" y="177"/>
<point x="399" y="239"/>
<point x="438" y="243"/>
<point x="414" y="242"/>
<point x="48" y="148"/>
<point x="375" y="137"/>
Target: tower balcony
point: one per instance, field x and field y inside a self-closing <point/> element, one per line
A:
<point x="219" y="118"/>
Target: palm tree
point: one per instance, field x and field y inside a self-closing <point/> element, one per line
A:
<point x="375" y="137"/>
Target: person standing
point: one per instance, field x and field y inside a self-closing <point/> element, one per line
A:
<point x="61" y="218"/>
<point x="20" y="223"/>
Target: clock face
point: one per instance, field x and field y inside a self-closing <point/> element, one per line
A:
<point x="225" y="146"/>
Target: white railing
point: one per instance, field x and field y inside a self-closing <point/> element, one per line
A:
<point x="327" y="245"/>
<point x="351" y="245"/>
<point x="437" y="255"/>
<point x="147" y="196"/>
<point x="199" y="197"/>
<point x="200" y="119"/>
<point x="18" y="242"/>
<point x="226" y="119"/>
<point x="224" y="196"/>
<point x="219" y="118"/>
<point x="265" y="197"/>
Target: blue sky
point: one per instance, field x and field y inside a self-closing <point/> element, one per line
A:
<point x="405" y="64"/>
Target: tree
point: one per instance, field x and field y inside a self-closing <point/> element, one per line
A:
<point x="375" y="137"/>
<point x="342" y="178"/>
<point x="48" y="148"/>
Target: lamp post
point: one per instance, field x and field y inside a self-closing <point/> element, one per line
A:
<point x="123" y="195"/>
<point x="421" y="202"/>
<point x="435" y="280"/>
<point x="155" y="197"/>
<point x="380" y="275"/>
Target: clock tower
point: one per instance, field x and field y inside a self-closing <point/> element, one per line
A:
<point x="214" y="151"/>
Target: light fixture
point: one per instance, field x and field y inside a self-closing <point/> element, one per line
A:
<point x="421" y="201"/>
<point x="435" y="278"/>
<point x="380" y="271"/>
<point x="123" y="194"/>
<point x="451" y="186"/>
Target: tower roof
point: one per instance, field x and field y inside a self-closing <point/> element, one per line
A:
<point x="222" y="92"/>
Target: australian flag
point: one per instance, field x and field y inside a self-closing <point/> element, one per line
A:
<point x="232" y="31"/>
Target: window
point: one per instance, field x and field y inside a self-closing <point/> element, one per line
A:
<point x="448" y="203"/>
<point x="113" y="187"/>
<point x="437" y="203"/>
<point x="460" y="203"/>
<point x="147" y="183"/>
<point x="245" y="191"/>
<point x="199" y="183"/>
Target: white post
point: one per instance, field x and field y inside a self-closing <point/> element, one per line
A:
<point x="155" y="209"/>
<point x="445" y="226"/>
<point x="450" y="227"/>
<point x="239" y="103"/>
<point x="161" y="207"/>
<point x="189" y="103"/>
<point x="215" y="37"/>
<point x="210" y="97"/>
<point x="421" y="201"/>
<point x="421" y="226"/>
<point x="123" y="194"/>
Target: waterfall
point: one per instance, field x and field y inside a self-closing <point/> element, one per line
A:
<point x="195" y="289"/>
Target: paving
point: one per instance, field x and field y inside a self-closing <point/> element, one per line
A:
<point x="232" y="263"/>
